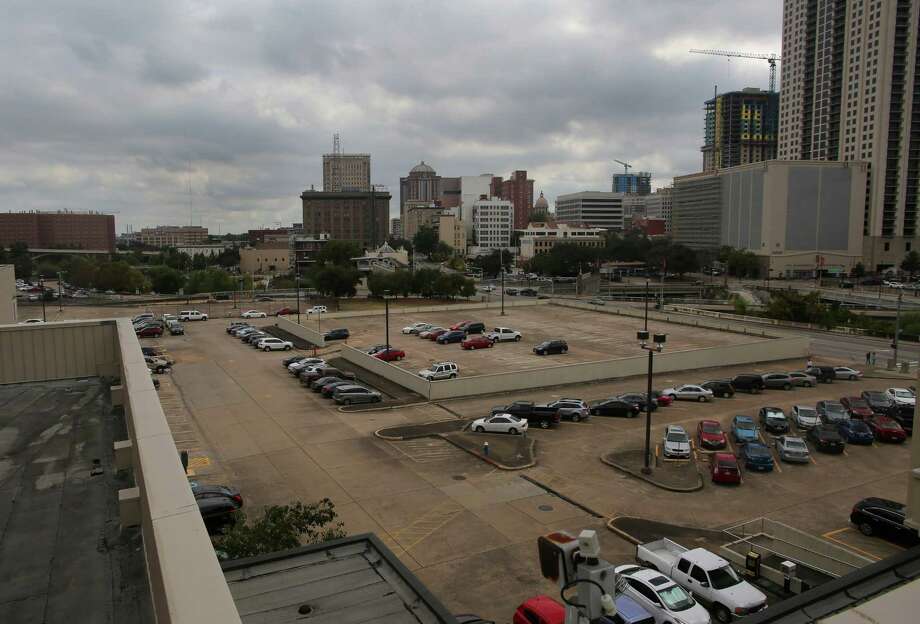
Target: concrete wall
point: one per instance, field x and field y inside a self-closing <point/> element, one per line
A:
<point x="301" y="331"/>
<point x="388" y="371"/>
<point x="63" y="350"/>
<point x="7" y="294"/>
<point x="517" y="303"/>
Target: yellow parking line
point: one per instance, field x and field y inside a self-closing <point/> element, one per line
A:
<point x="829" y="535"/>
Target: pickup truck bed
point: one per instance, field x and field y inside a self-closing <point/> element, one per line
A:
<point x="661" y="554"/>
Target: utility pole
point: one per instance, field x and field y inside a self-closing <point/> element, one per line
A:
<point x="897" y="328"/>
<point x="41" y="285"/>
<point x="501" y="260"/>
<point x="60" y="291"/>
<point x="659" y="340"/>
<point x="297" y="286"/>
<point x="646" y="305"/>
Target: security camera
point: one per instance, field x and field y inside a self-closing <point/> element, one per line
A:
<point x="642" y="335"/>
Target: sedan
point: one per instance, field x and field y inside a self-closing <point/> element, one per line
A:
<point x="845" y="372"/>
<point x="328" y="389"/>
<point x="416" y="328"/>
<point x="459" y="325"/>
<point x="723" y="468"/>
<point x="454" y="335"/>
<point x="689" y="392"/>
<point x="149" y="331"/>
<point x="880" y="516"/>
<point x="879" y="402"/>
<point x="295" y="367"/>
<point x="348" y="394"/>
<point x="743" y="429"/>
<point x="901" y="396"/>
<point x="803" y="379"/>
<point x="500" y="423"/>
<point x="792" y="449"/>
<point x="285" y="311"/>
<point x="218" y="505"/>
<point x="253" y="314"/>
<point x="336" y="334"/>
<point x="857" y="407"/>
<point x="254" y="337"/>
<point x="805" y="417"/>
<point x="827" y="438"/>
<point x="773" y="419"/>
<point x="293" y="359"/>
<point x="886" y="429"/>
<point x="317" y="384"/>
<point x="432" y="334"/>
<point x="709" y="435"/>
<point x="855" y="431"/>
<point x="831" y="411"/>
<point x="639" y="399"/>
<point x="390" y="355"/>
<point x="675" y="442"/>
<point x="659" y="595"/>
<point x="757" y="456"/>
<point x="477" y="341"/>
<point x="274" y="344"/>
<point x="615" y="407"/>
<point x="663" y="400"/>
<point x="778" y="380"/>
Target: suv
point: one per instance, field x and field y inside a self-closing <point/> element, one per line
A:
<point x="440" y="370"/>
<point x="880" y="516"/>
<point x="748" y="382"/>
<point x="774" y="420"/>
<point x="721" y="388"/>
<point x="192" y="315"/>
<point x="551" y="346"/>
<point x="676" y="442"/>
<point x="474" y="327"/>
<point x="824" y="374"/>
<point x="777" y="380"/>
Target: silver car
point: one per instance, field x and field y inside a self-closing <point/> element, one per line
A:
<point x="803" y="379"/>
<point x="348" y="394"/>
<point x="805" y="417"/>
<point x="688" y="392"/>
<point x="792" y="449"/>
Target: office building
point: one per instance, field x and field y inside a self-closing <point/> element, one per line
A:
<point x="396" y="230"/>
<point x="633" y="205"/>
<point x="591" y="208"/>
<point x="172" y="235"/>
<point x="266" y="259"/>
<point x="420" y="214"/>
<point x="658" y="206"/>
<point x="452" y="231"/>
<point x="540" y="237"/>
<point x="849" y="92"/>
<point x="740" y="127"/>
<point x="203" y="250"/>
<point x="304" y="249"/>
<point x="7" y="294"/>
<point x="58" y="230"/>
<point x="354" y="216"/>
<point x="423" y="184"/>
<point x="268" y="235"/>
<point x="798" y="217"/>
<point x="639" y="183"/>
<point x="346" y="172"/>
<point x="517" y="189"/>
<point x="471" y="189"/>
<point x="450" y="192"/>
<point x="493" y="222"/>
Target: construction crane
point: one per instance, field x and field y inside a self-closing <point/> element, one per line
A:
<point x="626" y="166"/>
<point x="769" y="57"/>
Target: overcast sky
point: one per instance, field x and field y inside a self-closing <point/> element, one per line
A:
<point x="121" y="105"/>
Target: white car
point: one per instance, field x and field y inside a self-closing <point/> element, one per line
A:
<point x="192" y="315"/>
<point x="415" y="328"/>
<point x="296" y="367"/>
<point x="676" y="442"/>
<point x="169" y="317"/>
<point x="805" y="417"/>
<point x="317" y="310"/>
<point x="504" y="334"/>
<point x="253" y="314"/>
<point x="499" y="423"/>
<point x="659" y="595"/>
<point x="689" y="392"/>
<point x="900" y="396"/>
<point x="845" y="372"/>
<point x="274" y="344"/>
<point x="487" y="289"/>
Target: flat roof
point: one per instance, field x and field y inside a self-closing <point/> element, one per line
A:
<point x="63" y="556"/>
<point x="352" y="580"/>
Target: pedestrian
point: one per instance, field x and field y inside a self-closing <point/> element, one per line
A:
<point x="872" y="362"/>
<point x="868" y="358"/>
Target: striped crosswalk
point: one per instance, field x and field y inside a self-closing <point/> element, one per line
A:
<point x="428" y="450"/>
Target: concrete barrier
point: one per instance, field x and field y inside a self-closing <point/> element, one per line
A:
<point x="388" y="371"/>
<point x="58" y="350"/>
<point x="301" y="331"/>
<point x="452" y="307"/>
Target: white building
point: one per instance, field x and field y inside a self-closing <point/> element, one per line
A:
<point x="658" y="206"/>
<point x="471" y="189"/>
<point x="204" y="250"/>
<point x="539" y="238"/>
<point x="593" y="208"/>
<point x="493" y="222"/>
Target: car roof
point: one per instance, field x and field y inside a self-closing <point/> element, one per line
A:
<point x="706" y="559"/>
<point x="788" y="438"/>
<point x="804" y="407"/>
<point x="676" y="428"/>
<point x="647" y="575"/>
<point x="709" y="421"/>
<point x="882" y="502"/>
<point x="351" y="387"/>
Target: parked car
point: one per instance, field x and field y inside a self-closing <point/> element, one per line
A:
<point x="845" y="372"/>
<point x="143" y="316"/>
<point x="549" y="347"/>
<point x="175" y="328"/>
<point x="500" y="423"/>
<point x="415" y="328"/>
<point x="709" y="435"/>
<point x="856" y="407"/>
<point x="432" y="334"/>
<point x="390" y="355"/>
<point x="802" y="379"/>
<point x="663" y="400"/>
<point x="156" y="364"/>
<point x="149" y="331"/>
<point x="640" y="399"/>
<point x="473" y="327"/>
<point x="780" y="381"/>
<point x="711" y="579"/>
<point x="614" y="407"/>
<point x="339" y="333"/>
<point x="273" y="344"/>
<point x="659" y="595"/>
<point x="773" y="420"/>
<point x="168" y="317"/>
<point x="743" y="429"/>
<point x="879" y="402"/>
<point x="570" y="409"/>
<point x="459" y="326"/>
<point x="253" y="314"/>
<point x="455" y="335"/>
<point x="541" y="415"/>
<point x="192" y="315"/>
<point x="831" y="411"/>
<point x="440" y="370"/>
<point x="824" y="374"/>
<point x="757" y="456"/>
<point x="304" y="362"/>
<point x="235" y="329"/>
<point x="477" y="341"/>
<point x="285" y="311"/>
<point x="855" y="431"/>
<point x="504" y="334"/>
<point x="544" y="610"/>
<point x="348" y="394"/>
<point x="309" y="373"/>
<point x="723" y="468"/>
<point x="254" y="337"/>
<point x="265" y="298"/>
<point x="675" y="443"/>
<point x="376" y="349"/>
<point x="805" y="417"/>
<point x="721" y="388"/>
<point x="218" y="505"/>
<point x="792" y="449"/>
<point x="328" y="388"/>
<point x="883" y="517"/>
<point x="886" y="429"/>
<point x="317" y="309"/>
<point x="154" y="350"/>
<point x="901" y="397"/>
<point x="317" y="384"/>
<point x="689" y="392"/>
<point x="827" y="438"/>
<point x="748" y="382"/>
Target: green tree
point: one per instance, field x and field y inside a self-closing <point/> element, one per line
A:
<point x="425" y="240"/>
<point x="82" y="272"/>
<point x="165" y="280"/>
<point x="859" y="270"/>
<point x="491" y="264"/>
<point x="229" y="257"/>
<point x="199" y="262"/>
<point x="396" y="243"/>
<point x="213" y="280"/>
<point x="682" y="259"/>
<point x="339" y="253"/>
<point x="911" y="262"/>
<point x="120" y="277"/>
<point x="22" y="261"/>
<point x="280" y="527"/>
<point x="442" y="252"/>
<point x="423" y="282"/>
<point x="336" y="281"/>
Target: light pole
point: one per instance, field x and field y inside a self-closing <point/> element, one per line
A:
<point x="501" y="262"/>
<point x="897" y="328"/>
<point x="41" y="286"/>
<point x="297" y="286"/>
<point x="646" y="305"/>
<point x="60" y="291"/>
<point x="386" y="309"/>
<point x="659" y="339"/>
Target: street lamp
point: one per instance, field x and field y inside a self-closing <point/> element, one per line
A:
<point x="386" y="308"/>
<point x="41" y="286"/>
<point x="658" y="345"/>
<point x="297" y="286"/>
<point x="60" y="291"/>
<point x="501" y="262"/>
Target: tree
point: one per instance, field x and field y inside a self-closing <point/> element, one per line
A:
<point x="165" y="280"/>
<point x="739" y="262"/>
<point x="280" y="527"/>
<point x="491" y="264"/>
<point x="396" y="243"/>
<point x="442" y="252"/>
<point x="336" y="281"/>
<point x="425" y="240"/>
<point x="82" y="272"/>
<point x="212" y="280"/>
<point x="199" y="262"/>
<point x="22" y="261"/>
<point x="339" y="253"/>
<point x="682" y="259"/>
<point x="120" y="277"/>
<point x="911" y="262"/>
<point x="859" y="270"/>
<point x="229" y="257"/>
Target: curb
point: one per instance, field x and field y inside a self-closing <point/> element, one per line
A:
<point x="424" y="435"/>
<point x="489" y="460"/>
<point x="639" y="475"/>
<point x="620" y="532"/>
<point x="557" y="494"/>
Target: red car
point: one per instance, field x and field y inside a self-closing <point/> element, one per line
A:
<point x="709" y="435"/>
<point x="390" y="355"/>
<point x="857" y="407"/>
<point x="886" y="430"/>
<point x="664" y="400"/>
<point x="456" y="326"/>
<point x="539" y="610"/>
<point x="433" y="335"/>
<point x="285" y="311"/>
<point x="724" y="468"/>
<point x="150" y="331"/>
<point x="476" y="342"/>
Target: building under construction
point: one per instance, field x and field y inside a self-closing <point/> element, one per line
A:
<point x="740" y="127"/>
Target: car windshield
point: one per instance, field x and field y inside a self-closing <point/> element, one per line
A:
<point x="677" y="436"/>
<point x="675" y="598"/>
<point x="776" y="416"/>
<point x="903" y="394"/>
<point x="807" y="412"/>
<point x="858" y="404"/>
<point x="796" y="445"/>
<point x="722" y="578"/>
<point x="744" y="424"/>
<point x="712" y="428"/>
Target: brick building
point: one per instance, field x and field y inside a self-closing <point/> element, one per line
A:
<point x="349" y="215"/>
<point x="172" y="235"/>
<point x="519" y="191"/>
<point x="58" y="230"/>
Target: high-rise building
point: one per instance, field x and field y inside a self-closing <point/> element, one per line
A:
<point x="396" y="229"/>
<point x="658" y="206"/>
<point x="639" y="183"/>
<point x="849" y="91"/>
<point x="56" y="230"/>
<point x="452" y="231"/>
<point x="346" y="172"/>
<point x="740" y="127"/>
<point x="472" y="188"/>
<point x="493" y="222"/>
<point x="450" y="192"/>
<point x="420" y="214"/>
<point x="422" y="184"/>
<point x="519" y="191"/>
<point x="591" y="208"/>
<point x="353" y="216"/>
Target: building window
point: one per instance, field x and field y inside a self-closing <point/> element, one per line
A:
<point x="887" y="246"/>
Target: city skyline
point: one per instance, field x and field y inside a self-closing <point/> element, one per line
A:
<point x="123" y="110"/>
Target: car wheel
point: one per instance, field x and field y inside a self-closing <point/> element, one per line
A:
<point x="517" y="338"/>
<point x="702" y="399"/>
<point x="787" y="387"/>
<point x="266" y="349"/>
<point x="565" y="349"/>
<point x="544" y="424"/>
<point x="673" y="397"/>
<point x="346" y="402"/>
<point x="480" y="429"/>
<point x="575" y="417"/>
<point x="593" y="412"/>
<point x="287" y="347"/>
<point x="453" y="376"/>
<point x="722" y="614"/>
<point x="512" y="431"/>
<point x="866" y="529"/>
<point x="852" y="377"/>
<point x="491" y="344"/>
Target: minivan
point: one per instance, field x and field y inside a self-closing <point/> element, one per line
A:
<point x="748" y="382"/>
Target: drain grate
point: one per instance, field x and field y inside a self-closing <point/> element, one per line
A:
<point x="545" y="507"/>
<point x="458" y="478"/>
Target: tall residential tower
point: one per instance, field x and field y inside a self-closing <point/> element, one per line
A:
<point x="740" y="127"/>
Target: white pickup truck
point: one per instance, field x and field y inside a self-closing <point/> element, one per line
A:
<point x="711" y="578"/>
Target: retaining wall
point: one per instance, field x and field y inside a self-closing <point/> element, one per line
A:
<point x="518" y="303"/>
<point x="301" y="331"/>
<point x="386" y="370"/>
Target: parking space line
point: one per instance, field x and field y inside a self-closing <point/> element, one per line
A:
<point x="829" y="534"/>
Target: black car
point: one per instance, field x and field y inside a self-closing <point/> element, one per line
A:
<point x="904" y="414"/>
<point x="614" y="407"/>
<point x="456" y="335"/>
<point x="639" y="400"/>
<point x="827" y="438"/>
<point x="473" y="328"/>
<point x="721" y="388"/>
<point x="748" y="382"/>
<point x="879" y="403"/>
<point x="824" y="374"/>
<point x="774" y="420"/>
<point x="218" y="505"/>
<point x="550" y="347"/>
<point x="336" y="334"/>
<point x="883" y="517"/>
